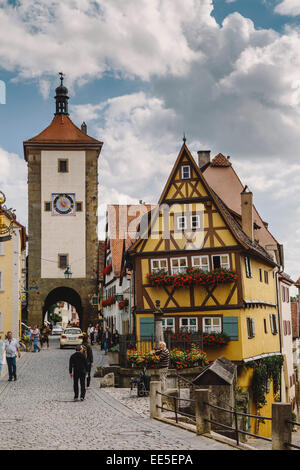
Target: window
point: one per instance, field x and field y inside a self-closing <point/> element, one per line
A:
<point x="78" y="206"/>
<point x="212" y="325"/>
<point x="250" y="327"/>
<point x="265" y="326"/>
<point x="185" y="172"/>
<point x="178" y="265"/>
<point x="63" y="261"/>
<point x="1" y="281"/>
<point x="273" y="324"/>
<point x="63" y="166"/>
<point x="47" y="206"/>
<point x="168" y="324"/>
<point x="201" y="262"/>
<point x="1" y="248"/>
<point x="287" y="294"/>
<point x="195" y="221"/>
<point x="266" y="274"/>
<point x="260" y="275"/>
<point x="248" y="266"/>
<point x="221" y="261"/>
<point x="189" y="324"/>
<point x="181" y="222"/>
<point x="284" y="328"/>
<point x="288" y="327"/>
<point x="159" y="265"/>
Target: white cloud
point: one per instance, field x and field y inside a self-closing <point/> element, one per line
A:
<point x="86" y="39"/>
<point x="288" y="7"/>
<point x="13" y="182"/>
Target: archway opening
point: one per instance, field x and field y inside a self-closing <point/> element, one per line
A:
<point x="67" y="302"/>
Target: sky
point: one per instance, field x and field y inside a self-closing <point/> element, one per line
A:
<point x="140" y="74"/>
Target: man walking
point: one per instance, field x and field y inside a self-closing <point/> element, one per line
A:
<point x="106" y="339"/>
<point x="12" y="349"/>
<point x="78" y="367"/>
<point x="88" y="352"/>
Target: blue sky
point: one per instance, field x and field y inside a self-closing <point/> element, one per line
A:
<point x="226" y="73"/>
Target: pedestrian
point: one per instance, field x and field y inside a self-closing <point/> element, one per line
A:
<point x="106" y="339"/>
<point x="164" y="361"/>
<point x="2" y="348"/>
<point x="45" y="331"/>
<point x="115" y="338"/>
<point x="96" y="334"/>
<point x="88" y="352"/>
<point x="92" y="333"/>
<point x="100" y="335"/>
<point x="36" y="337"/>
<point x="12" y="349"/>
<point x="78" y="367"/>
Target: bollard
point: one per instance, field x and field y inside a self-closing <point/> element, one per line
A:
<point x="155" y="399"/>
<point x="202" y="411"/>
<point x="281" y="430"/>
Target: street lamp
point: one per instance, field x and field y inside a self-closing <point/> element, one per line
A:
<point x="6" y="230"/>
<point x="68" y="273"/>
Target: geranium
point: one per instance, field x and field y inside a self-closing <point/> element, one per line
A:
<point x="213" y="338"/>
<point x="108" y="302"/>
<point x="192" y="276"/>
<point x="123" y="303"/>
<point x="107" y="270"/>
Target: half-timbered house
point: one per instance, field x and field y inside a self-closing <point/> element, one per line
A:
<point x="207" y="270"/>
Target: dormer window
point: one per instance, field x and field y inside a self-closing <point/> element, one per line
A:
<point x="185" y="172"/>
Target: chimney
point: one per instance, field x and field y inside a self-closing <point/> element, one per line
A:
<point x="247" y="212"/>
<point x="203" y="157"/>
<point x="84" y="127"/>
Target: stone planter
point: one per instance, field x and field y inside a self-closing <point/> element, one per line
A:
<point x="113" y="358"/>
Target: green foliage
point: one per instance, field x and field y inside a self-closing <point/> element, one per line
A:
<point x="55" y="318"/>
<point x="115" y="348"/>
<point x="264" y="369"/>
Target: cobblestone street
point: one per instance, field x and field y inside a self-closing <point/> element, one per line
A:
<point x="38" y="412"/>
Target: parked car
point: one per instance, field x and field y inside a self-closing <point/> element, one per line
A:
<point x="57" y="330"/>
<point x="71" y="337"/>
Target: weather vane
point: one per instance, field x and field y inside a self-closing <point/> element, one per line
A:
<point x="184" y="138"/>
<point x="61" y="77"/>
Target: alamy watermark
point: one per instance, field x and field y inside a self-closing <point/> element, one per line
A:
<point x="2" y="92"/>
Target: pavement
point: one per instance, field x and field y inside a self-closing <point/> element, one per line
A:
<point x="37" y="412"/>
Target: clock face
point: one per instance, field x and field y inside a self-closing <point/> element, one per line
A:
<point x="63" y="204"/>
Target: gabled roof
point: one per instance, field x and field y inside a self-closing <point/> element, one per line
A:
<point x="223" y="179"/>
<point x="232" y="224"/>
<point x="62" y="131"/>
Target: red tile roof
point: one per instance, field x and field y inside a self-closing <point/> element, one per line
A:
<point x="220" y="160"/>
<point x="62" y="129"/>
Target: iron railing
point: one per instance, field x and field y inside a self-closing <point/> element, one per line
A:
<point x="177" y="410"/>
<point x="289" y="444"/>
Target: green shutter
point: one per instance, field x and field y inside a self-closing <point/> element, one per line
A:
<point x="231" y="327"/>
<point x="147" y="327"/>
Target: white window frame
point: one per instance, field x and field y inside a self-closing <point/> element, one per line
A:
<point x="222" y="266"/>
<point x="183" y="168"/>
<point x="165" y="327"/>
<point x="194" y="327"/>
<point x="1" y="248"/>
<point x="248" y="267"/>
<point x="153" y="270"/>
<point x="212" y="327"/>
<point x="198" y="221"/>
<point x="178" y="269"/>
<point x="201" y="266"/>
<point x="180" y="219"/>
<point x="1" y="281"/>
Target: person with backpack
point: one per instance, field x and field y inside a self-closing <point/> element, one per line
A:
<point x="88" y="353"/>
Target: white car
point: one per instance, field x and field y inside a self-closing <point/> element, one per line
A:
<point x="57" y="330"/>
<point x="71" y="337"/>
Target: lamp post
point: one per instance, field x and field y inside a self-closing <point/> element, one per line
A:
<point x="158" y="328"/>
<point x="68" y="273"/>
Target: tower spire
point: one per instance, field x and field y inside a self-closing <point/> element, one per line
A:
<point x="61" y="98"/>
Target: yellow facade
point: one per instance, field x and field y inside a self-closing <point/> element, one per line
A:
<point x="11" y="252"/>
<point x="251" y="299"/>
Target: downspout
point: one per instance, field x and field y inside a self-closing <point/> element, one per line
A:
<point x="279" y="321"/>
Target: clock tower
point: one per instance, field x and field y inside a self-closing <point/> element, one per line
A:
<point x="62" y="215"/>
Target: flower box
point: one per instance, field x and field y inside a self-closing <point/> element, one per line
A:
<point x="107" y="270"/>
<point x="108" y="302"/>
<point x="123" y="304"/>
<point x="215" y="339"/>
<point x="191" y="277"/>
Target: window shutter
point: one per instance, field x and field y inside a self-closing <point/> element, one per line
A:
<point x="147" y="327"/>
<point x="253" y="327"/>
<point x="231" y="327"/>
<point x="271" y="323"/>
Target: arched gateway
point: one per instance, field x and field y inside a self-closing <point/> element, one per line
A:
<point x="63" y="294"/>
<point x="62" y="214"/>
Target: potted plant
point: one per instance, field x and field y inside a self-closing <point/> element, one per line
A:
<point x="114" y="355"/>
